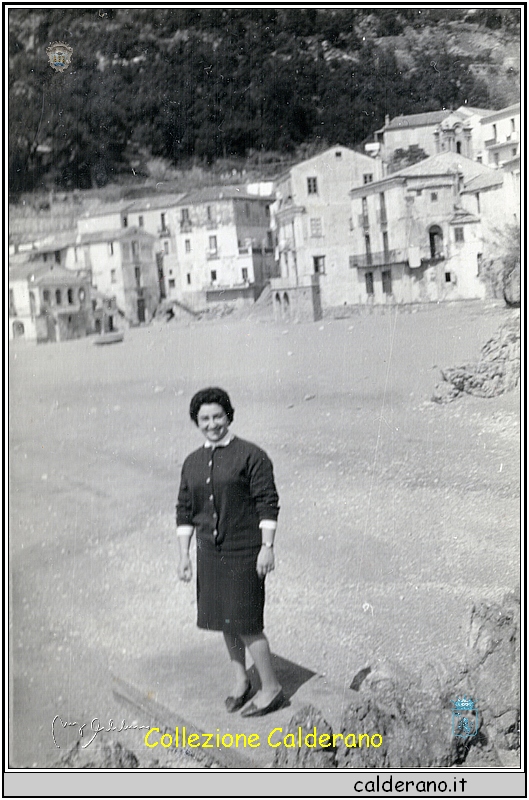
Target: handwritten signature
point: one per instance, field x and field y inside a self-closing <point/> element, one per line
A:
<point x="93" y="728"/>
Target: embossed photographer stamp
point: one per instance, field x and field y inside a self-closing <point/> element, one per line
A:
<point x="59" y="56"/>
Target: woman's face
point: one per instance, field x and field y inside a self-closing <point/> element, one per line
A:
<point x="213" y="422"/>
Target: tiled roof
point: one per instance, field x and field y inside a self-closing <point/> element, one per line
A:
<point x="42" y="273"/>
<point x="442" y="164"/>
<point x="416" y="120"/>
<point x="113" y="235"/>
<point x="461" y="215"/>
<point x="484" y="181"/>
<point x="210" y="194"/>
<point x="56" y="241"/>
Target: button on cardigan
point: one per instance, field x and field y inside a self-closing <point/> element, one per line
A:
<point x="225" y="492"/>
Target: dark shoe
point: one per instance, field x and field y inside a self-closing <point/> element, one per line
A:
<point x="235" y="703"/>
<point x="275" y="703"/>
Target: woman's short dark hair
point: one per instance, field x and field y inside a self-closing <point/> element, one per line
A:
<point x="210" y="395"/>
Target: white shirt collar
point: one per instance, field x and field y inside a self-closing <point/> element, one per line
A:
<point x="221" y="443"/>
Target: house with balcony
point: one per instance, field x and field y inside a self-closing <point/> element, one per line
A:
<point x="123" y="265"/>
<point x="457" y="131"/>
<point x="224" y="247"/>
<point x="48" y="303"/>
<point x="415" y="239"/>
<point x="311" y="223"/>
<point x="150" y="214"/>
<point x="501" y="136"/>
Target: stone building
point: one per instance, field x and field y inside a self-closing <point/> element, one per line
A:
<point x="224" y="247"/>
<point x="48" y="303"/>
<point x="415" y="238"/>
<point x="123" y="265"/>
<point x="311" y="222"/>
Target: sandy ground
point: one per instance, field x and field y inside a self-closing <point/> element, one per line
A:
<point x="397" y="514"/>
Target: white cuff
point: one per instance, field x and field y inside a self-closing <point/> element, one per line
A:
<point x="268" y="524"/>
<point x="184" y="530"/>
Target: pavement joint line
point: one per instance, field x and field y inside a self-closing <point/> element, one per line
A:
<point x="171" y="719"/>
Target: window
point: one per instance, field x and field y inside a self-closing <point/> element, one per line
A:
<point x="316" y="228"/>
<point x="46" y="296"/>
<point x="513" y="125"/>
<point x="110" y="246"/>
<point x="312" y="185"/>
<point x="459" y="234"/>
<point x="338" y="154"/>
<point x="162" y="221"/>
<point x="12" y="308"/>
<point x="383" y="216"/>
<point x="244" y="274"/>
<point x="58" y="297"/>
<point x="188" y="276"/>
<point x="112" y="276"/>
<point x="368" y="177"/>
<point x="45" y="257"/>
<point x="364" y="210"/>
<point x="448" y="277"/>
<point x="247" y="209"/>
<point x="57" y="256"/>
<point x="171" y="283"/>
<point x="319" y="265"/>
<point x="386" y="281"/>
<point x="458" y="147"/>
<point x="166" y="248"/>
<point x="480" y="262"/>
<point x="434" y="197"/>
<point x="213" y="244"/>
<point x="213" y="275"/>
<point x="124" y="221"/>
<point x="367" y="241"/>
<point x="418" y="192"/>
<point x="478" y="204"/>
<point x="82" y="295"/>
<point x="370" y="285"/>
<point x="513" y="151"/>
<point x="208" y="212"/>
<point x="137" y="276"/>
<point x="185" y="215"/>
<point x="135" y="248"/>
<point x="187" y="245"/>
<point x="497" y="159"/>
<point x="494" y="132"/>
<point x="140" y="221"/>
<point x="70" y="297"/>
<point x="385" y="243"/>
<point x="479" y="159"/>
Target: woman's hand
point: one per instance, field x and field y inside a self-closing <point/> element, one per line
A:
<point x="265" y="561"/>
<point x="185" y="570"/>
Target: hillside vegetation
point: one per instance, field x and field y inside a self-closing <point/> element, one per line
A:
<point x="150" y="89"/>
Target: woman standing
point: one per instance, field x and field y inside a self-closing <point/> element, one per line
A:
<point x="228" y="496"/>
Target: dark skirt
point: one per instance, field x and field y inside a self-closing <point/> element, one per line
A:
<point x="230" y="594"/>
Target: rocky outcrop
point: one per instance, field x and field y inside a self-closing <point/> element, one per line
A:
<point x="496" y="372"/>
<point x="306" y="756"/>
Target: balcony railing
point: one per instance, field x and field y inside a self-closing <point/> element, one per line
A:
<point x="363" y="221"/>
<point x="212" y="254"/>
<point x="186" y="226"/>
<point x="490" y="142"/>
<point x="380" y="259"/>
<point x="382" y="217"/>
<point x="164" y="231"/>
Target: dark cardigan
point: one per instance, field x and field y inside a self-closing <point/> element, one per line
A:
<point x="225" y="492"/>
